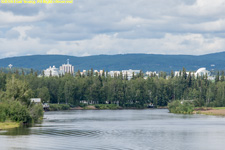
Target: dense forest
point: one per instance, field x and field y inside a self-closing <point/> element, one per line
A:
<point x="101" y="89"/>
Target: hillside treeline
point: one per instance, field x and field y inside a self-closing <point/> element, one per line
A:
<point x="101" y="89"/>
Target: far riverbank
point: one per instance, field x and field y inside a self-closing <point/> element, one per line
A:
<point x="217" y="111"/>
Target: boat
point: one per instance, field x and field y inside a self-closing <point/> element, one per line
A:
<point x="151" y="105"/>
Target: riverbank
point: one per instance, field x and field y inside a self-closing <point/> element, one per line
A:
<point x="217" y="111"/>
<point x="109" y="107"/>
<point x="8" y="125"/>
<point x="97" y="107"/>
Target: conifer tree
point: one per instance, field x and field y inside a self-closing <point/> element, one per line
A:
<point x="92" y="72"/>
<point x="217" y="79"/>
<point x="189" y="80"/>
<point x="103" y="73"/>
<point x="172" y="74"/>
<point x="184" y="73"/>
<point x="23" y="72"/>
<point x="31" y="71"/>
<point x="222" y="76"/>
<point x="78" y="74"/>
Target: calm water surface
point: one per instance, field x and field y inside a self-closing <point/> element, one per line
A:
<point x="118" y="130"/>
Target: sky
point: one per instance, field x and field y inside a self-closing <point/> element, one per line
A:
<point x="93" y="27"/>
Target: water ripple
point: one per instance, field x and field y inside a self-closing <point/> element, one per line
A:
<point x="118" y="130"/>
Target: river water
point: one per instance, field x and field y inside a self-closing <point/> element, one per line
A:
<point x="149" y="129"/>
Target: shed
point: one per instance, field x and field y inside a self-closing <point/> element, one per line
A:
<point x="35" y="100"/>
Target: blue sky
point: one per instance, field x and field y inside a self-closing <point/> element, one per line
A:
<point x="92" y="27"/>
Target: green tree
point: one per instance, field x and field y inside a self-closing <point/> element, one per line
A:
<point x="43" y="93"/>
<point x="217" y="79"/>
<point x="222" y="76"/>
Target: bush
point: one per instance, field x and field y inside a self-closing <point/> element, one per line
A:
<point x="64" y="107"/>
<point x="19" y="112"/>
<point x="181" y="108"/>
<point x="82" y="105"/>
<point x="36" y="112"/>
<point x="138" y="106"/>
<point x="56" y="107"/>
<point x="106" y="106"/>
<point x="3" y="115"/>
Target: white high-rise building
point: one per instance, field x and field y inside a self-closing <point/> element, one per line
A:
<point x="67" y="68"/>
<point x="51" y="71"/>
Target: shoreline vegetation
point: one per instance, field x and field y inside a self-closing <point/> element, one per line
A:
<point x="181" y="107"/>
<point x="59" y="107"/>
<point x="187" y="108"/>
<point x="8" y="125"/>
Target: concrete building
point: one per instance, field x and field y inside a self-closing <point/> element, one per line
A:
<point x="130" y="73"/>
<point x="199" y="72"/>
<point x="113" y="73"/>
<point x="51" y="71"/>
<point x="202" y="71"/>
<point x="101" y="72"/>
<point x="84" y="72"/>
<point x="66" y="68"/>
<point x="149" y="73"/>
<point x="177" y="73"/>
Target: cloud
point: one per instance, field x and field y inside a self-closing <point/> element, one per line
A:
<point x="89" y="27"/>
<point x="11" y="34"/>
<point x="8" y="18"/>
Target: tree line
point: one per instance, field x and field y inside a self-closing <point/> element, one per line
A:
<point x="102" y="89"/>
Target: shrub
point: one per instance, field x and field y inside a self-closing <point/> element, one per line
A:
<point x="82" y="105"/>
<point x="106" y="106"/>
<point x="3" y="114"/>
<point x="181" y="108"/>
<point x="36" y="112"/>
<point x="139" y="106"/>
<point x="64" y="107"/>
<point x="15" y="111"/>
<point x="19" y="112"/>
<point x="56" y="107"/>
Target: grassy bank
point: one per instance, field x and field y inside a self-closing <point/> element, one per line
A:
<point x="57" y="107"/>
<point x="102" y="106"/>
<point x="216" y="111"/>
<point x="107" y="106"/>
<point x="8" y="125"/>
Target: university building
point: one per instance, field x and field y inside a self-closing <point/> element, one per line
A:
<point x="67" y="68"/>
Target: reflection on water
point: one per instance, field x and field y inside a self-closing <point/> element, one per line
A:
<point x="148" y="129"/>
<point x="17" y="131"/>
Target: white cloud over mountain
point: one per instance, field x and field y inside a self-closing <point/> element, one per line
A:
<point x="91" y="27"/>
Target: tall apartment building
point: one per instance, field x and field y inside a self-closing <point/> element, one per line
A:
<point x="67" y="68"/>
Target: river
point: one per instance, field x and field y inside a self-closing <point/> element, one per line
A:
<point x="149" y="129"/>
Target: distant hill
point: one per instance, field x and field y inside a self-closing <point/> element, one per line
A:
<point x="145" y="62"/>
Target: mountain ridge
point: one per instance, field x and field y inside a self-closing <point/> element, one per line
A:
<point x="145" y="62"/>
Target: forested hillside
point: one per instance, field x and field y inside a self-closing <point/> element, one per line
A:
<point x="145" y="62"/>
